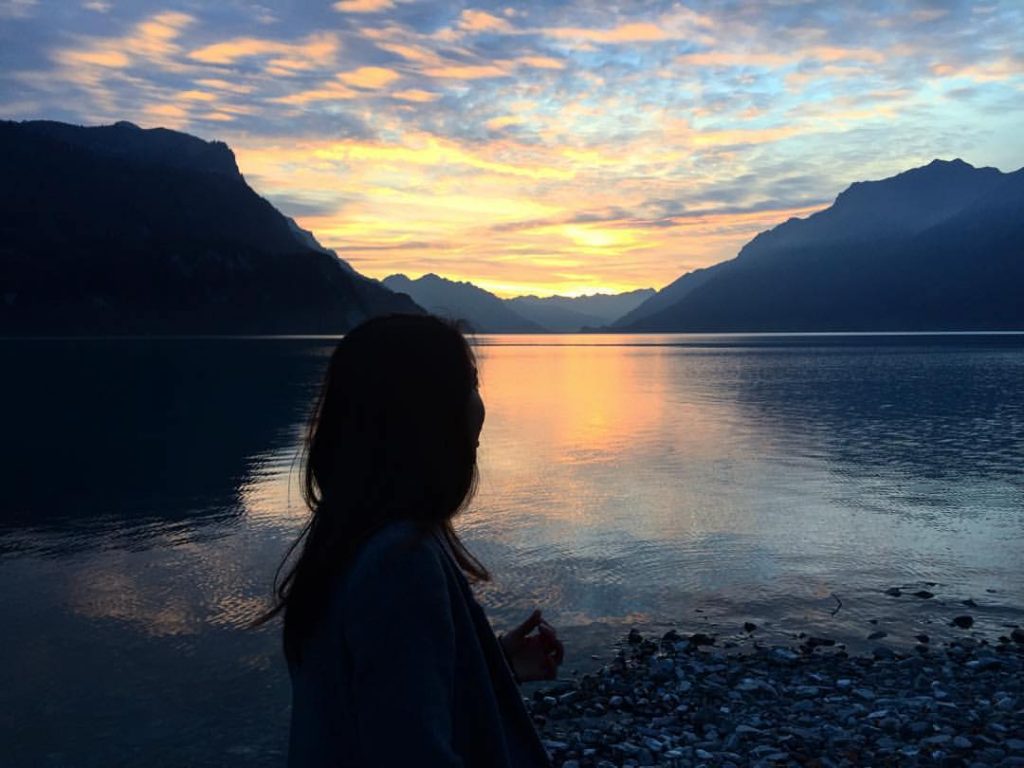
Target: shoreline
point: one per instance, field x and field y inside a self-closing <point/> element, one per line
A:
<point x="688" y="701"/>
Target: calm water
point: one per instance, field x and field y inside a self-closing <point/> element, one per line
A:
<point x="690" y="481"/>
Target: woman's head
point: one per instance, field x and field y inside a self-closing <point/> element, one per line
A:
<point x="393" y="436"/>
<point x="395" y="431"/>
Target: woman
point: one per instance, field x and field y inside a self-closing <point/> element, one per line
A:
<point x="393" y="662"/>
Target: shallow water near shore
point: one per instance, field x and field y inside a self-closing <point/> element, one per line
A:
<point x="696" y="482"/>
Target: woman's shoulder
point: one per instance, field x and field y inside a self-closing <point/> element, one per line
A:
<point x="398" y="551"/>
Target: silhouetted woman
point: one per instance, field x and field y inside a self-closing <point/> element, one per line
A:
<point x="393" y="662"/>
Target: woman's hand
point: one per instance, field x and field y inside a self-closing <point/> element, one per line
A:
<point x="533" y="656"/>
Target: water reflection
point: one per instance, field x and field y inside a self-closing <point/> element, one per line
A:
<point x="151" y="487"/>
<point x="135" y="438"/>
<point x="753" y="476"/>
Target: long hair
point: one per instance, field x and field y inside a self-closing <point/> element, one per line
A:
<point x="389" y="439"/>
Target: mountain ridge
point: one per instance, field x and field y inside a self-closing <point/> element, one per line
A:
<point x="487" y="313"/>
<point x="461" y="300"/>
<point x="937" y="247"/>
<point x="114" y="230"/>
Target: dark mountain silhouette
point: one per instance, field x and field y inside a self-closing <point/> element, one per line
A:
<point x="482" y="311"/>
<point x="935" y="248"/>
<point x="569" y="314"/>
<point x="119" y="230"/>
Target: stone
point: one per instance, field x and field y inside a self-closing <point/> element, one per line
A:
<point x="749" y="627"/>
<point x="816" y="642"/>
<point x="785" y="654"/>
<point x="747" y="729"/>
<point x="964" y="622"/>
<point x="894" y="591"/>
<point x="924" y="594"/>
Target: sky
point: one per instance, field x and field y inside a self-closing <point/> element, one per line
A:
<point x="537" y="147"/>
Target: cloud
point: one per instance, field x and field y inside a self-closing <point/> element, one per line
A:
<point x="152" y="40"/>
<point x="550" y="146"/>
<point x="416" y="95"/>
<point x="370" y="78"/>
<point x="363" y="6"/>
<point x="318" y="49"/>
<point x="497" y="123"/>
<point x="330" y="91"/>
<point x="472" y="20"/>
<point x="541" y="62"/>
<point x="101" y="58"/>
<point x="197" y="96"/>
<point x="635" y="32"/>
<point x="467" y="71"/>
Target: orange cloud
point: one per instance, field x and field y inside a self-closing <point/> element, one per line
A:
<point x="497" y="123"/>
<point x="317" y="49"/>
<point x="196" y="96"/>
<point x="224" y="85"/>
<point x="734" y="59"/>
<point x="466" y="71"/>
<point x="997" y="70"/>
<point x="151" y="40"/>
<point x="362" y="6"/>
<point x="417" y="95"/>
<point x="425" y="149"/>
<point x="100" y="58"/>
<point x="415" y="53"/>
<point x="635" y="32"/>
<point x="834" y="53"/>
<point x="370" y="78"/>
<point x="328" y="92"/>
<point x="541" y="62"/>
<point x="480" y="21"/>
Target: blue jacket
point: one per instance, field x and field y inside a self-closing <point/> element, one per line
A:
<point x="404" y="670"/>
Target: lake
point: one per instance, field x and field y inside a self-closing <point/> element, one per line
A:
<point x="695" y="482"/>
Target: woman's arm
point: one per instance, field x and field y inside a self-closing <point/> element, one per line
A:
<point x="401" y="637"/>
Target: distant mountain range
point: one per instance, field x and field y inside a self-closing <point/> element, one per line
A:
<point x="119" y="230"/>
<point x="939" y="247"/>
<point x="482" y="311"/>
<point x="486" y="313"/>
<point x="569" y="314"/>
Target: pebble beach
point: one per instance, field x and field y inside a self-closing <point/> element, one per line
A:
<point x="689" y="700"/>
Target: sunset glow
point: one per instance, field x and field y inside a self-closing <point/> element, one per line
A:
<point x="564" y="147"/>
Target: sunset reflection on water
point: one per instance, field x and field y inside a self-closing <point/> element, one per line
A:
<point x="696" y="482"/>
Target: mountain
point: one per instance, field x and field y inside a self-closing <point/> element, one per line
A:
<point x="569" y="314"/>
<point x="483" y="311"/>
<point x="939" y="247"/>
<point x="487" y="313"/>
<point x="119" y="230"/>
